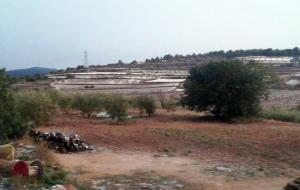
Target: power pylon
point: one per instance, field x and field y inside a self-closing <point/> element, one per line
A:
<point x="86" y="60"/>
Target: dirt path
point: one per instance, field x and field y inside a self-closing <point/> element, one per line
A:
<point x="91" y="165"/>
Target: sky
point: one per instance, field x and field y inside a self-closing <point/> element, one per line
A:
<point x="55" y="33"/>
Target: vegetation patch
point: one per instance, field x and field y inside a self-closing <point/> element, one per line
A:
<point x="286" y="115"/>
<point x="228" y="89"/>
<point x="145" y="104"/>
<point x="35" y="108"/>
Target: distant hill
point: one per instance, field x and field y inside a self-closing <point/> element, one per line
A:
<point x="29" y="72"/>
<point x="189" y="61"/>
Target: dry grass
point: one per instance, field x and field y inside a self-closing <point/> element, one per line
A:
<point x="182" y="131"/>
<point x="26" y="140"/>
<point x="41" y="151"/>
<point x="287" y="115"/>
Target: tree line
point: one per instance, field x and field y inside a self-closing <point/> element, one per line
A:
<point x="230" y="54"/>
<point x="295" y="52"/>
<point x="20" y="111"/>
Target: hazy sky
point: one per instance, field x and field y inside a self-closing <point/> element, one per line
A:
<point x="55" y="33"/>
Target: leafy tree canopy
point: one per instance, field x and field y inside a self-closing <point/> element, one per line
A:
<point x="10" y="125"/>
<point x="228" y="89"/>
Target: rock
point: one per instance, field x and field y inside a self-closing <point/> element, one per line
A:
<point x="260" y="169"/>
<point x="99" y="149"/>
<point x="102" y="187"/>
<point x="223" y="169"/>
<point x="179" y="186"/>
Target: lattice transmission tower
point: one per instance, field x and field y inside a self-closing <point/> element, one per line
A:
<point x="86" y="60"/>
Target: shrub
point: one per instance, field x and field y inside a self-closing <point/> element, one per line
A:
<point x="64" y="102"/>
<point x="53" y="175"/>
<point x="88" y="103"/>
<point x="116" y="107"/>
<point x="162" y="100"/>
<point x="35" y="108"/>
<point x="145" y="103"/>
<point x="228" y="89"/>
<point x="42" y="152"/>
<point x="10" y="124"/>
<point x="54" y="95"/>
<point x="170" y="105"/>
<point x="286" y="115"/>
<point x="30" y="79"/>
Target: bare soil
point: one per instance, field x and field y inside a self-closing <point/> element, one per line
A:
<point x="202" y="153"/>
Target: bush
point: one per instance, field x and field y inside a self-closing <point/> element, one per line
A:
<point x="35" y="108"/>
<point x="286" y="115"/>
<point x="53" y="175"/>
<point x="64" y="102"/>
<point x="116" y="107"/>
<point x="145" y="104"/>
<point x="88" y="103"/>
<point x="170" y="105"/>
<point x="10" y="124"/>
<point x="228" y="89"/>
<point x="162" y="100"/>
<point x="54" y="95"/>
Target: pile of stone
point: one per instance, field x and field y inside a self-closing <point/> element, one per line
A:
<point x="61" y="142"/>
<point x="294" y="185"/>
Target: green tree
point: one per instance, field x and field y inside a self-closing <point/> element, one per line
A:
<point x="30" y="79"/>
<point x="80" y="67"/>
<point x="134" y="62"/>
<point x="116" y="106"/>
<point x="10" y="125"/>
<point x="145" y="104"/>
<point x="170" y="105"/>
<point x="228" y="89"/>
<point x="54" y="95"/>
<point x="168" y="57"/>
<point x="35" y="108"/>
<point x="64" y="102"/>
<point x="88" y="103"/>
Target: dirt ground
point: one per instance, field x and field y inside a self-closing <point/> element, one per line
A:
<point x="199" y="152"/>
